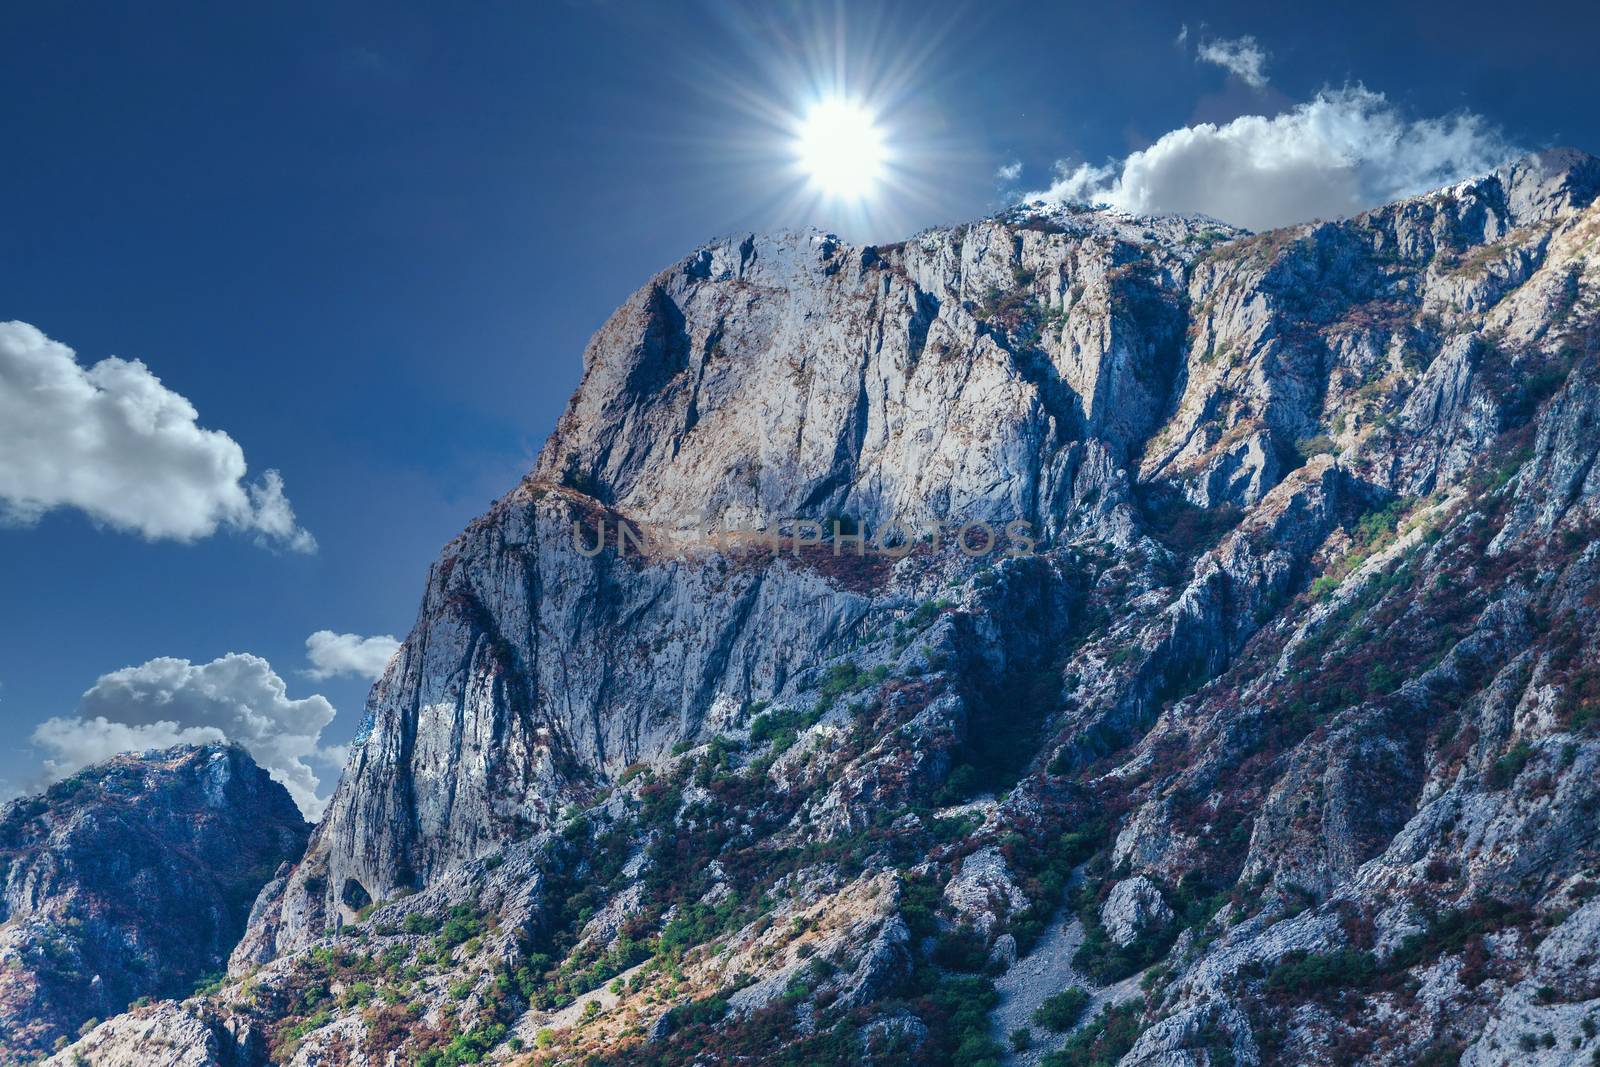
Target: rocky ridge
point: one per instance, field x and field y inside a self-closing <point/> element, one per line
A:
<point x="1280" y="745"/>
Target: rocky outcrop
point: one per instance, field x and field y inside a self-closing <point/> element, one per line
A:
<point x="1279" y="733"/>
<point x="1134" y="907"/>
<point x="168" y="1034"/>
<point x="132" y="878"/>
<point x="982" y="892"/>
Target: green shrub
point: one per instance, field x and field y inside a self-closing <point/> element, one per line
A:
<point x="1061" y="1011"/>
<point x="782" y="727"/>
<point x="961" y="949"/>
<point x="962" y="1006"/>
<point x="1103" y="1041"/>
<point x="461" y="925"/>
<point x="210" y="983"/>
<point x="1454" y="931"/>
<point x="1506" y="769"/>
<point x="418" y="923"/>
<point x="963" y="782"/>
<point x="468" y="1047"/>
<point x="1324" y="587"/>
<point x="1319" y="445"/>
<point x="1377" y="527"/>
<point x="699" y="1012"/>
<point x="843" y="678"/>
<point x="919" y="901"/>
<point x="1321" y="974"/>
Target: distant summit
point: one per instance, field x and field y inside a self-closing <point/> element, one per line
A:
<point x="133" y="878"/>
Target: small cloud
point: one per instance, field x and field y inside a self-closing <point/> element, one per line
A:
<point x="1080" y="183"/>
<point x="169" y="701"/>
<point x="1010" y="172"/>
<point x="1242" y="57"/>
<point x="113" y="442"/>
<point x="334" y="654"/>
<point x="1344" y="151"/>
<point x="274" y="518"/>
<point x="1183" y="35"/>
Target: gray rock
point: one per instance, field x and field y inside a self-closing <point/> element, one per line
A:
<point x="1134" y="907"/>
<point x="982" y="893"/>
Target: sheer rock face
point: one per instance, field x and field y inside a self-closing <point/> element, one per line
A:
<point x="1292" y="706"/>
<point x="760" y="380"/>
<point x="131" y="878"/>
<point x="798" y="376"/>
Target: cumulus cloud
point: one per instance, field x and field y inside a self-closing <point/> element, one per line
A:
<point x="169" y="701"/>
<point x="113" y="442"/>
<point x="1010" y="172"/>
<point x="1344" y="151"/>
<point x="1242" y="57"/>
<point x="364" y="657"/>
<point x="80" y="742"/>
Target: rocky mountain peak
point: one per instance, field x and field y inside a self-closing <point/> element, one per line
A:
<point x="1552" y="182"/>
<point x="132" y="878"/>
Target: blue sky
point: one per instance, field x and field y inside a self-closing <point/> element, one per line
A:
<point x="368" y="244"/>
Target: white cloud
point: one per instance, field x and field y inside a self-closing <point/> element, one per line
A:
<point x="1338" y="154"/>
<point x="170" y="701"/>
<point x="1010" y="172"/>
<point x="113" y="442"/>
<point x="1242" y="57"/>
<point x="80" y="742"/>
<point x="365" y="657"/>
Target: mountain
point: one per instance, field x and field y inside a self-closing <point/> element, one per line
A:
<point x="1269" y="736"/>
<point x="131" y="879"/>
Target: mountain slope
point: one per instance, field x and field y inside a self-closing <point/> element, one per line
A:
<point x="1280" y="739"/>
<point x="132" y="878"/>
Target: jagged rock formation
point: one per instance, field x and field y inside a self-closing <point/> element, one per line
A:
<point x="1281" y="740"/>
<point x="133" y="878"/>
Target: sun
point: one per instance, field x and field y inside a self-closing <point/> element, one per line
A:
<point x="841" y="150"/>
